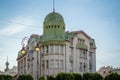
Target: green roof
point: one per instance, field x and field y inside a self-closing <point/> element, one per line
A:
<point x="69" y="35"/>
<point x="82" y="46"/>
<point x="54" y="19"/>
<point x="53" y="27"/>
<point x="55" y="42"/>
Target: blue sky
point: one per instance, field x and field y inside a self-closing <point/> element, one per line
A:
<point x="100" y="19"/>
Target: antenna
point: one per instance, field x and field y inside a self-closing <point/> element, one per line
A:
<point x="53" y="5"/>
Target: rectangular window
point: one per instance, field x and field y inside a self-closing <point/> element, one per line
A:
<point x="47" y="64"/>
<point x="51" y="63"/>
<point x="43" y="64"/>
<point x="43" y="49"/>
<point x="56" y="64"/>
<point x="61" y="49"/>
<point x="47" y="49"/>
<point x="80" y="52"/>
<point x="71" y="66"/>
<point x="61" y="64"/>
<point x="56" y="49"/>
<point x="51" y="49"/>
<point x="80" y="66"/>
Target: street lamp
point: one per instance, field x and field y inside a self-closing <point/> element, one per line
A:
<point x="23" y="51"/>
<point x="37" y="48"/>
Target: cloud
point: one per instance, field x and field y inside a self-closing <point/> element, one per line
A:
<point x="16" y="25"/>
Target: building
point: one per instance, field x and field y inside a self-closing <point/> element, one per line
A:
<point x="60" y="50"/>
<point x="104" y="71"/>
<point x="11" y="72"/>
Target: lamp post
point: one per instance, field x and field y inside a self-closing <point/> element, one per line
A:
<point x="37" y="48"/>
<point x="23" y="51"/>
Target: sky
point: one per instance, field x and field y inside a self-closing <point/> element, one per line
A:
<point x="100" y="19"/>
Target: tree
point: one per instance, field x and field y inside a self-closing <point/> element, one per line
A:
<point x="87" y="76"/>
<point x="77" y="76"/>
<point x="41" y="78"/>
<point x="25" y="77"/>
<point x="61" y="76"/>
<point x="50" y="78"/>
<point x="96" y="76"/>
<point x="6" y="77"/>
<point x="112" y="76"/>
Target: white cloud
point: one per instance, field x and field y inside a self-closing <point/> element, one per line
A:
<point x="17" y="25"/>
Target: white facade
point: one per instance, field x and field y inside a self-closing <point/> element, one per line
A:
<point x="77" y="54"/>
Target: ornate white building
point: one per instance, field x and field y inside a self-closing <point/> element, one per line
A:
<point x="60" y="51"/>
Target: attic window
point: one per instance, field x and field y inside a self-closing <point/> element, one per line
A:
<point x="46" y="27"/>
<point x="58" y="26"/>
<point x="52" y="26"/>
<point x="49" y="27"/>
<point x="55" y="26"/>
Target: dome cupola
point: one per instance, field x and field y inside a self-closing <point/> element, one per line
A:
<point x="53" y="27"/>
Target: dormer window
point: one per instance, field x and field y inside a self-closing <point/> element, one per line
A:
<point x="46" y="27"/>
<point x="58" y="26"/>
<point x="55" y="26"/>
<point x="49" y="27"/>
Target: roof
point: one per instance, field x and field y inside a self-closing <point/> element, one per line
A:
<point x="54" y="18"/>
<point x="80" y="31"/>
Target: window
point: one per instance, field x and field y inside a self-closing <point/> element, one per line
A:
<point x="61" y="64"/>
<point x="80" y="52"/>
<point x="84" y="54"/>
<point x="51" y="63"/>
<point x="81" y="41"/>
<point x="71" y="66"/>
<point x="61" y="49"/>
<point x="47" y="64"/>
<point x="47" y="49"/>
<point x="81" y="66"/>
<point x="43" y="49"/>
<point x="56" y="49"/>
<point x="43" y="64"/>
<point x="51" y="49"/>
<point x="56" y="64"/>
<point x="58" y="26"/>
<point x="84" y="66"/>
<point x="46" y="27"/>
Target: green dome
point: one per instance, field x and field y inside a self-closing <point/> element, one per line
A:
<point x="53" y="28"/>
<point x="54" y="19"/>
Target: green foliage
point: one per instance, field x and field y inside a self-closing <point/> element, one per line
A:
<point x="41" y="78"/>
<point x="65" y="76"/>
<point x="50" y="78"/>
<point x="96" y="76"/>
<point x="25" y="77"/>
<point x="77" y="76"/>
<point x="61" y="76"/>
<point x="6" y="77"/>
<point x="113" y="76"/>
<point x="87" y="76"/>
